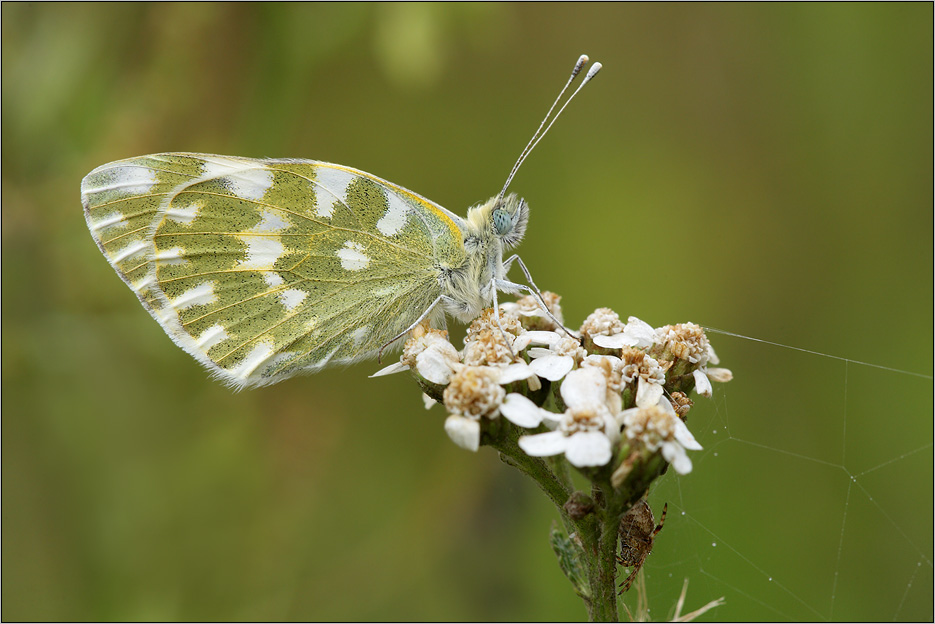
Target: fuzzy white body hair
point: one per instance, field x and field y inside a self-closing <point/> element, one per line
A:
<point x="470" y="288"/>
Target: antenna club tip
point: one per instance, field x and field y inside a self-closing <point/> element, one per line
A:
<point x="582" y="61"/>
<point x="593" y="71"/>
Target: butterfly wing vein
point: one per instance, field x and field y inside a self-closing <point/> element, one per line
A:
<point x="262" y="269"/>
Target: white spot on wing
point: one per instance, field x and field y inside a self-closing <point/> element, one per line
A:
<point x="331" y="190"/>
<point x="218" y="166"/>
<point x="395" y="218"/>
<point x="111" y="220"/>
<point x="280" y="358"/>
<point x="386" y="290"/>
<point x="171" y="256"/>
<point x="254" y="359"/>
<point x="125" y="180"/>
<point x="360" y="334"/>
<point x="129" y="251"/>
<point x="262" y="252"/>
<point x="214" y="335"/>
<point x="245" y="179"/>
<point x="202" y="294"/>
<point x="322" y="362"/>
<point x="167" y="317"/>
<point x="352" y="257"/>
<point x="184" y="214"/>
<point x="144" y="284"/>
<point x="292" y="298"/>
<point x="273" y="278"/>
<point x="271" y="223"/>
<point x="251" y="184"/>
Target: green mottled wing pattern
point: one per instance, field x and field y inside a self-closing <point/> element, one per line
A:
<point x="262" y="269"/>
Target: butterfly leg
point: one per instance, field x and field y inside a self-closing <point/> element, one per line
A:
<point x="534" y="290"/>
<point x="421" y="318"/>
<point x="496" y="314"/>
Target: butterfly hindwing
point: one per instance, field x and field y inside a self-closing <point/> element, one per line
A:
<point x="262" y="269"/>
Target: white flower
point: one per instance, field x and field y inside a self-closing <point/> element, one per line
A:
<point x="475" y="392"/>
<point x="521" y="411"/>
<point x="392" y="369"/>
<point x="463" y="431"/>
<point x="687" y="341"/>
<point x="529" y="311"/>
<point x="635" y="333"/>
<point x="438" y="361"/>
<point x="650" y="380"/>
<point x="702" y="383"/>
<point x="556" y="361"/>
<point x="587" y="429"/>
<point x="430" y="353"/>
<point x="658" y="427"/>
<point x="490" y="342"/>
<point x="601" y="322"/>
<point x="705" y="375"/>
<point x="635" y="365"/>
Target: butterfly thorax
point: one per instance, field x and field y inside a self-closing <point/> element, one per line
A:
<point x="490" y="229"/>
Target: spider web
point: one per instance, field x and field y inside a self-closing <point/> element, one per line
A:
<point x="815" y="510"/>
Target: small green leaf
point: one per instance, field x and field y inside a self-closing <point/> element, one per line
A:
<point x="569" y="560"/>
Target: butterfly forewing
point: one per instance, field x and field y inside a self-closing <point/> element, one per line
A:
<point x="261" y="269"/>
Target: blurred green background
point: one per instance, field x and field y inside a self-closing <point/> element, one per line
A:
<point x="762" y="169"/>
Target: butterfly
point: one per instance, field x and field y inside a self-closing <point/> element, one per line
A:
<point x="262" y="269"/>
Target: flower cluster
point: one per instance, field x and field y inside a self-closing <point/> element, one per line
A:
<point x="613" y="393"/>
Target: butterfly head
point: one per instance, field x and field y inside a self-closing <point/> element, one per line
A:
<point x="502" y="218"/>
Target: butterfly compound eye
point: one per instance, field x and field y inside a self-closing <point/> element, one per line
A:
<point x="502" y="222"/>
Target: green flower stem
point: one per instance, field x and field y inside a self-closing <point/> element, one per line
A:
<point x="596" y="531"/>
<point x="508" y="445"/>
<point x="603" y="565"/>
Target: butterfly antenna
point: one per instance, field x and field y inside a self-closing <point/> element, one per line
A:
<point x="539" y="133"/>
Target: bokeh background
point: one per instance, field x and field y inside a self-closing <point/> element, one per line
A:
<point x="762" y="169"/>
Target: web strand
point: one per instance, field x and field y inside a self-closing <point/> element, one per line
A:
<point x="819" y="353"/>
<point x="864" y="517"/>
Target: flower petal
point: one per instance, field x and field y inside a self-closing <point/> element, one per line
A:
<point x="617" y="341"/>
<point x="465" y="432"/>
<point x="435" y="363"/>
<point x="396" y="367"/>
<point x="647" y="393"/>
<point x="514" y="372"/>
<point x="702" y="384"/>
<point x="539" y="337"/>
<point x="720" y="375"/>
<point x="676" y="455"/>
<point x="712" y="356"/>
<point x="588" y="448"/>
<point x="584" y="387"/>
<point x="624" y="417"/>
<point x="684" y="437"/>
<point x="597" y="360"/>
<point x="521" y="411"/>
<point x="521" y="342"/>
<point x="641" y="333"/>
<point x="543" y="444"/>
<point x="552" y="367"/>
<point x="428" y="401"/>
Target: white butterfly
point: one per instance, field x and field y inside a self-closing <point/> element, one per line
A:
<point x="265" y="268"/>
